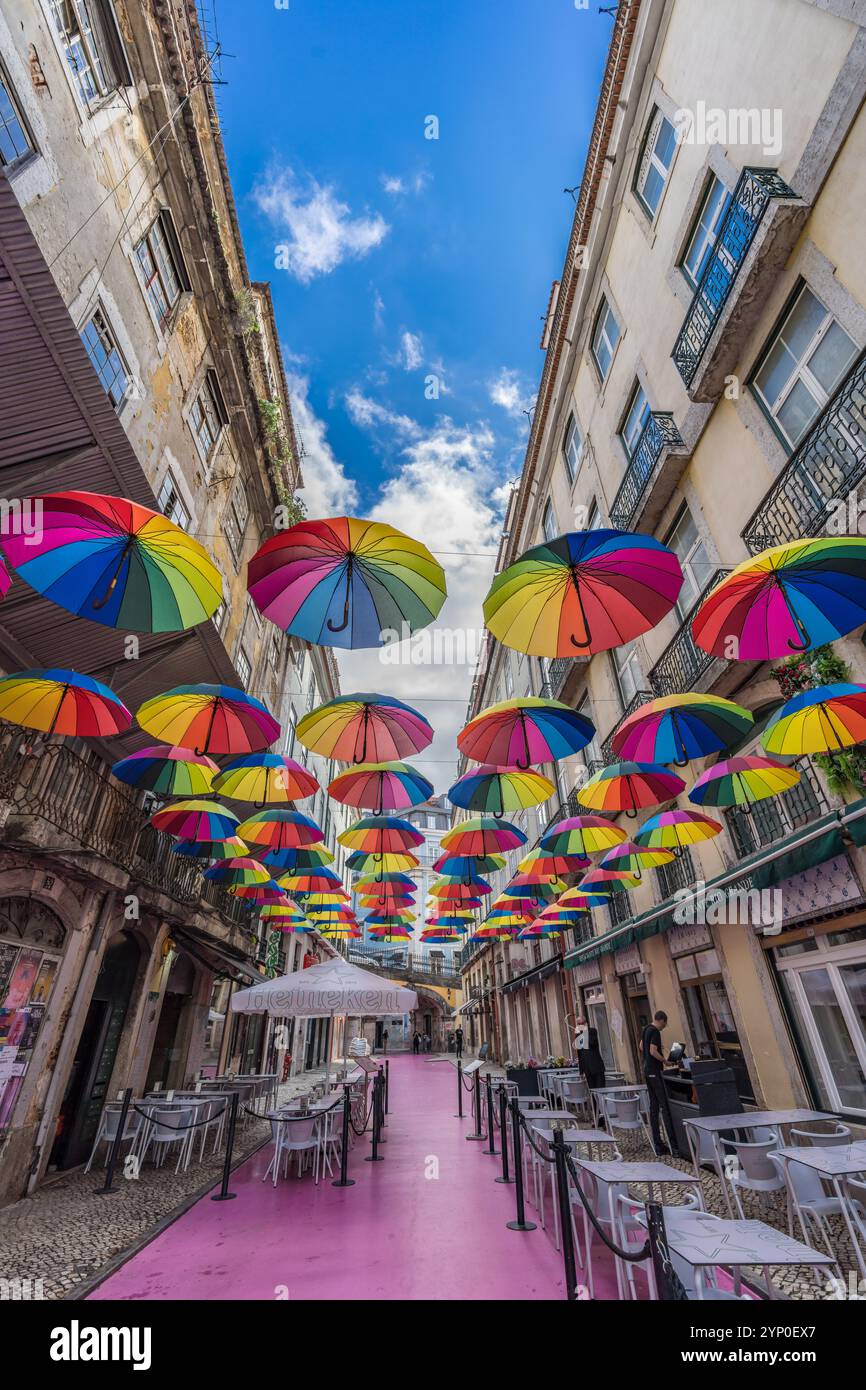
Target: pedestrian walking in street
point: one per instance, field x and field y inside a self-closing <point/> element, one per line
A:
<point x="385" y="1040"/>
<point x="653" y="1069"/>
<point x="427" y="1042"/>
<point x="416" y="1042"/>
<point x="458" y="1040"/>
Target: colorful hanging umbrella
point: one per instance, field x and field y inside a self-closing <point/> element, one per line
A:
<point x="379" y="919"/>
<point x="167" y="771"/>
<point x="552" y="865"/>
<point x="364" y="728"/>
<point x="582" y="835"/>
<point x="500" y="932"/>
<point x="500" y="789"/>
<point x="238" y="871"/>
<point x="824" y="720"/>
<point x="58" y="701"/>
<point x="381" y="787"/>
<point x="343" y="582"/>
<point x="196" y="820"/>
<point x="461" y="864"/>
<point x="5" y="579"/>
<point x="742" y="782"/>
<point x="286" y="909"/>
<point x="232" y="848"/>
<point x="460" y="891"/>
<point x="539" y="930"/>
<point x="607" y="881"/>
<point x="371" y="882"/>
<point x="361" y="863"/>
<point x="533" y="877"/>
<point x="630" y="787"/>
<point x="115" y="562"/>
<point x="320" y="880"/>
<point x="632" y="858"/>
<point x="584" y="592"/>
<point x="269" y="892"/>
<point x="210" y="719"/>
<point x="265" y="777"/>
<point x="788" y="599"/>
<point x="381" y="835"/>
<point x="583" y="899"/>
<point x="518" y="733"/>
<point x="677" y="728"/>
<point x="674" y="829"/>
<point x="482" y="835"/>
<point x="284" y="861"/>
<point x="449" y="921"/>
<point x="280" y="829"/>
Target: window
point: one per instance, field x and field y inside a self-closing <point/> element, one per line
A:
<point x="170" y="504"/>
<point x="710" y="1016"/>
<point x="594" y="519"/>
<point x="548" y="522"/>
<point x="219" y="617"/>
<point x="656" y="160"/>
<point x="208" y="416"/>
<point x="572" y="448"/>
<point x="236" y="518"/>
<point x="626" y="669"/>
<point x="803" y="365"/>
<point x="706" y="231"/>
<point x="243" y="666"/>
<point x="591" y="752"/>
<point x="825" y="992"/>
<point x="161" y="266"/>
<point x="91" y="44"/>
<point x="16" y="144"/>
<point x="685" y="541"/>
<point x="604" y="339"/>
<point x="508" y="678"/>
<point x="105" y="356"/>
<point x="635" y="419"/>
<point x="275" y="655"/>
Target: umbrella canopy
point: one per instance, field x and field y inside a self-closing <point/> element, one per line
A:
<point x="344" y="582"/>
<point x="210" y="719"/>
<point x="238" y="871"/>
<point x="582" y="898"/>
<point x="364" y="728"/>
<point x="582" y="835"/>
<point x="280" y="829"/>
<point x="677" y="728"/>
<point x="448" y="921"/>
<point x="320" y="880"/>
<point x="5" y="580"/>
<point x="287" y="861"/>
<point x="362" y="863"/>
<point x="632" y="858"/>
<point x="824" y="720"/>
<point x="788" y="599"/>
<point x="286" y="909"/>
<point x="389" y="919"/>
<point x="552" y="865"/>
<point x="460" y="891"/>
<point x="115" y="562"/>
<point x="334" y="987"/>
<point x="583" y="592"/>
<point x="608" y="881"/>
<point x="674" y="829"/>
<point x="381" y="835"/>
<point x="58" y="701"/>
<point x="500" y="789"/>
<point x="196" y="820"/>
<point x="232" y="848"/>
<point x="482" y="835"/>
<point x="394" y="880"/>
<point x="381" y="787"/>
<point x="518" y="733"/>
<point x="167" y="771"/>
<point x="459" y="865"/>
<point x="265" y="777"/>
<point x="630" y="787"/>
<point x="742" y="781"/>
<point x="269" y="892"/>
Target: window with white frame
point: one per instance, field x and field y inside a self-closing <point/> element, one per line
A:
<point x="219" y="617"/>
<point x="635" y="419"/>
<point x="16" y="142"/>
<point x="591" y="752"/>
<point x="275" y="652"/>
<point x="208" y="417"/>
<point x="91" y="44"/>
<point x="686" y="543"/>
<point x="549" y="524"/>
<point x="244" y="666"/>
<point x="706" y="230"/>
<point x="626" y="669"/>
<point x="105" y="355"/>
<point x="161" y="267"/>
<point x="235" y="519"/>
<point x="572" y="448"/>
<point x="801" y="368"/>
<point x="594" y="519"/>
<point x="655" y="164"/>
<point x="171" y="504"/>
<point x="604" y="339"/>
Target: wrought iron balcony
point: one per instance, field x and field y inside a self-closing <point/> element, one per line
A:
<point x="682" y="663"/>
<point x="639" y="698"/>
<point x="679" y="873"/>
<point x="658" y="434"/>
<point x="824" y="469"/>
<point x="756" y="189"/>
<point x="770" y="820"/>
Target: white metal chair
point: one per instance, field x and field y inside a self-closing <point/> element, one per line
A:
<point x="575" y="1095"/>
<point x="812" y="1204"/>
<point x="623" y="1111"/>
<point x="299" y="1137"/>
<point x="330" y="1139"/>
<point x="823" y="1138"/>
<point x="109" y="1121"/>
<point x="168" y="1126"/>
<point x="753" y="1170"/>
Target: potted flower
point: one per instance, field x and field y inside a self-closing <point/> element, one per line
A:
<point x="525" y="1074"/>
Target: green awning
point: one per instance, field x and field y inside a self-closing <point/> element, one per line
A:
<point x="856" y="828"/>
<point x="801" y="857"/>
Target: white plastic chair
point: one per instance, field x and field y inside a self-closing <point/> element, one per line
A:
<point x="300" y="1137"/>
<point x="575" y="1095"/>
<point x="109" y="1121"/>
<point x="822" y="1138"/>
<point x="630" y="1220"/>
<point x="687" y="1275"/>
<point x="754" y="1171"/>
<point x="624" y="1112"/>
<point x="812" y="1204"/>
<point x="169" y="1125"/>
<point x="330" y="1139"/>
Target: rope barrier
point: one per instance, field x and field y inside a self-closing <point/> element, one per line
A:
<point x="634" y="1256"/>
<point x="196" y="1124"/>
<point x="548" y="1158"/>
<point x="291" y="1119"/>
<point x="363" y="1129"/>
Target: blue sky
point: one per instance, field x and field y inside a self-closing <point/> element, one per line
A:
<point x="405" y="258"/>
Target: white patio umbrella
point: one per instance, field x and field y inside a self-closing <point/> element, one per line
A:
<point x="334" y="987"/>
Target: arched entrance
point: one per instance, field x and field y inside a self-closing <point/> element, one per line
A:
<point x="432" y="1017"/>
<point x="168" y="1054"/>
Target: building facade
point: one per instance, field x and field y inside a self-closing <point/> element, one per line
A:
<point x="703" y="383"/>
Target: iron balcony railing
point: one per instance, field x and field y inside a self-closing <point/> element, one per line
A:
<point x="756" y="189"/>
<point x="406" y="965"/>
<point x="683" y="662"/>
<point x="770" y="820"/>
<point x="679" y="873"/>
<point x="557" y="674"/>
<point x="825" y="468"/>
<point x="659" y="433"/>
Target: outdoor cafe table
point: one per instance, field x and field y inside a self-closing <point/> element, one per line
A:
<point x="704" y="1241"/>
<point x="639" y="1088"/>
<point x="834" y="1163"/>
<point x="715" y="1125"/>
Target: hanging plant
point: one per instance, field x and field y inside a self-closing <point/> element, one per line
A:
<point x="823" y="666"/>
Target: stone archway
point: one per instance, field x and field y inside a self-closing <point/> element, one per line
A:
<point x="433" y="1013"/>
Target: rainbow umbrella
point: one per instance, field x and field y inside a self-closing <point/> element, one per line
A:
<point x="432" y="938"/>
<point x="533" y="877"/>
<point x="583" y="899"/>
<point x="269" y="892"/>
<point x="297" y="860"/>
<point x="566" y="916"/>
<point x="460" y="891"/>
<point x="518" y="733"/>
<point x="632" y="858"/>
<point x="320" y="880"/>
<point x="371" y="882"/>
<point x="196" y="820"/>
<point x="210" y="719"/>
<point x="387" y="902"/>
<point x="167" y="771"/>
<point x="364" y="728"/>
<point x="677" y="728"/>
<point x="381" y="787"/>
<point x="64" y="702"/>
<point x="232" y="848"/>
<point x="607" y="881"/>
<point x="583" y="592"/>
<point x="674" y="829"/>
<point x="265" y="777"/>
<point x="115" y="562"/>
<point x="280" y="829"/>
<point x="238" y="871"/>
<point x="361" y="863"/>
<point x="318" y="897"/>
<point x="343" y="582"/>
<point x="788" y="599"/>
<point x="630" y="787"/>
<point x="582" y="835"/>
<point x="461" y="864"/>
<point x="379" y="919"/>
<point x="742" y="782"/>
<point x="381" y="835"/>
<point x="482" y="835"/>
<point x="500" y="789"/>
<point x="552" y="865"/>
<point x="449" y="922"/>
<point x="501" y="931"/>
<point x="283" y="910"/>
<point x="5" y="579"/>
<point x="824" y="720"/>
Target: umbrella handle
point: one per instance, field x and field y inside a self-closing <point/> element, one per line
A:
<point x="587" y="641"/>
<point x="341" y="627"/>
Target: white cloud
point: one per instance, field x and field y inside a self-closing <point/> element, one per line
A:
<point x="368" y="414"/>
<point x="393" y="184"/>
<point x="317" y="231"/>
<point x="398" y="187"/>
<point x="411" y="351"/>
<point x="327" y="491"/>
<point x="378" y="311"/>
<point x="507" y="391"/>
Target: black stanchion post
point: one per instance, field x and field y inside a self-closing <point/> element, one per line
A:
<point x="521" y="1223"/>
<point x="565" y="1216"/>
<point x="382" y="1106"/>
<point x="344" y="1180"/>
<point x="503" y="1134"/>
<point x="491" y="1128"/>
<point x="224" y="1195"/>
<point x="387" y="1085"/>
<point x="476" y="1108"/>
<point x="459" y="1115"/>
<point x="375" y="1156"/>
<point x="115" y="1148"/>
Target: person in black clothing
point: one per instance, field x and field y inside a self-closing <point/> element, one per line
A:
<point x="458" y="1041"/>
<point x="590" y="1060"/>
<point x="416" y="1041"/>
<point x="653" y="1066"/>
